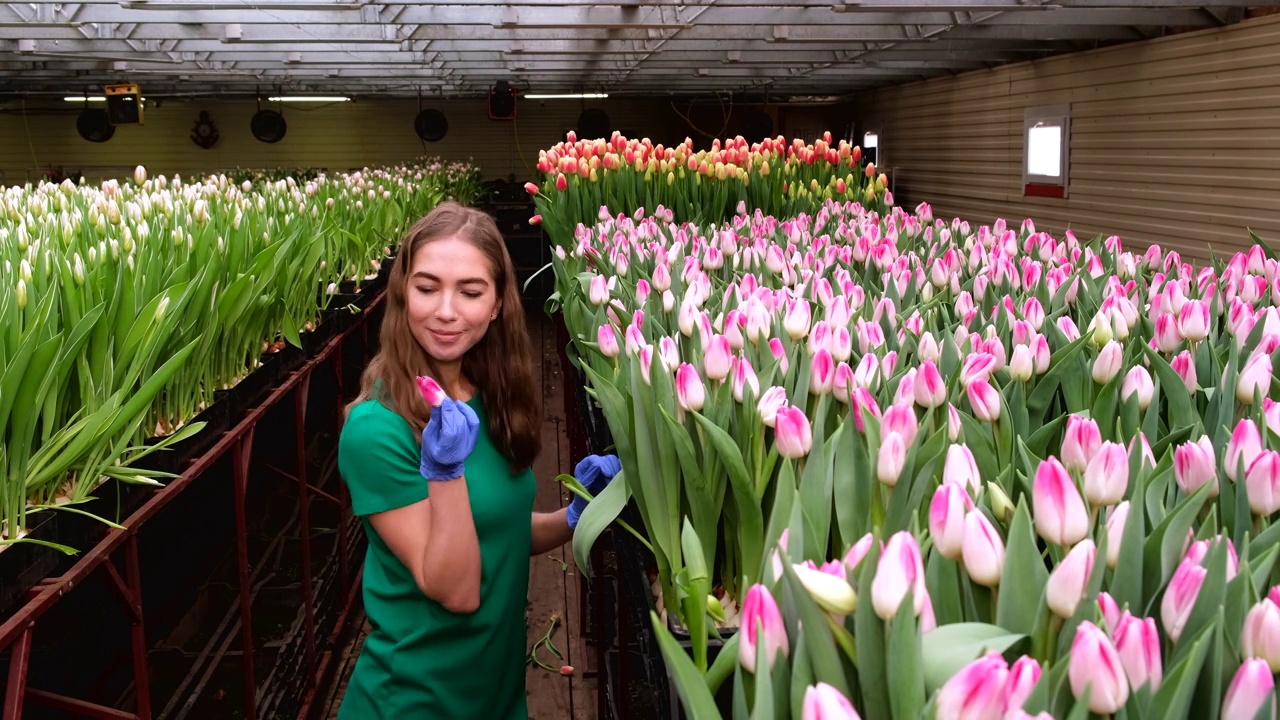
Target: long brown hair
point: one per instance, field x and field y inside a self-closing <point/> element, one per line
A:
<point x="500" y="364"/>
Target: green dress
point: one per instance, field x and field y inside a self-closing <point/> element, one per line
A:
<point x="422" y="661"/>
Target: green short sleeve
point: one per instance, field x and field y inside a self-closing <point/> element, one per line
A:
<point x="379" y="457"/>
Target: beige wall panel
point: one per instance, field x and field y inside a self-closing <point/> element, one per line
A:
<point x="1173" y="141"/>
<point x="339" y="136"/>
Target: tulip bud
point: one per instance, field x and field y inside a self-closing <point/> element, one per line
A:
<point x="1193" y="320"/>
<point x="984" y="400"/>
<point x="608" y="341"/>
<point x="792" y="434"/>
<point x="1255" y="377"/>
<point x="718" y="360"/>
<point x="824" y="702"/>
<point x="1251" y="690"/>
<point x="962" y="469"/>
<point x="1058" y="510"/>
<point x="689" y="389"/>
<point x="1243" y="448"/>
<point x="1260" y="637"/>
<point x="1095" y="664"/>
<point x="954" y="425"/>
<point x="1023" y="676"/>
<point x="1116" y="520"/>
<point x="1180" y="597"/>
<point x="1070" y="579"/>
<point x="982" y="550"/>
<point x="759" y="607"/>
<point x="1270" y="411"/>
<point x="431" y="391"/>
<point x="1021" y="365"/>
<point x="854" y="557"/>
<point x="1108" y="362"/>
<point x="1137" y="383"/>
<point x="20" y="295"/>
<point x="1194" y="466"/>
<point x="599" y="290"/>
<point x="1080" y="443"/>
<point x="796" y="322"/>
<point x="899" y="570"/>
<point x="1107" y="476"/>
<point x="976" y="692"/>
<point x="1138" y="645"/>
<point x="1185" y="366"/>
<point x="890" y="459"/>
<point x="833" y="594"/>
<point x="929" y="388"/>
<point x="744" y="376"/>
<point x="1263" y="483"/>
<point x="946" y="519"/>
<point x="773" y="400"/>
<point x="822" y="371"/>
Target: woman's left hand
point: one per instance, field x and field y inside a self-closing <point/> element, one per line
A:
<point x="595" y="472"/>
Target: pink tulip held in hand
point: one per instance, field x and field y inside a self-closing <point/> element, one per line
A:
<point x="431" y="391"/>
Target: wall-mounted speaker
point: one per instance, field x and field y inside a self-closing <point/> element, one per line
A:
<point x="268" y="126"/>
<point x="94" y="125"/>
<point x="593" y="123"/>
<point x="124" y="104"/>
<point x="431" y="125"/>
<point x="502" y="101"/>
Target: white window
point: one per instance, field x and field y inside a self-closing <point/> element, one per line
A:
<point x="1046" y="140"/>
<point x="871" y="147"/>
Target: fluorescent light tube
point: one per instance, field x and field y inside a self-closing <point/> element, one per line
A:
<point x="309" y="98"/>
<point x="82" y="98"/>
<point x="569" y="96"/>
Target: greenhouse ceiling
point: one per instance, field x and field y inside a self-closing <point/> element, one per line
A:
<point x="355" y="47"/>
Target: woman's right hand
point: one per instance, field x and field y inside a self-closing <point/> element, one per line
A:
<point x="448" y="439"/>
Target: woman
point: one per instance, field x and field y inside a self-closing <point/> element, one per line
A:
<point x="446" y="494"/>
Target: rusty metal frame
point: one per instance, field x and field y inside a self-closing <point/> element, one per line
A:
<point x="17" y="630"/>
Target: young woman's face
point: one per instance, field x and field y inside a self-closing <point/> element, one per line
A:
<point x="451" y="297"/>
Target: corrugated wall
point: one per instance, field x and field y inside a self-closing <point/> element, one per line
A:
<point x="336" y="136"/>
<point x="1174" y="141"/>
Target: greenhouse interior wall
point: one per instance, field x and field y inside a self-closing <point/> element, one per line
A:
<point x="1173" y="141"/>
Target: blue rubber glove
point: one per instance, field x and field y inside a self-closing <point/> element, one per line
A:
<point x="594" y="472"/>
<point x="448" y="439"/>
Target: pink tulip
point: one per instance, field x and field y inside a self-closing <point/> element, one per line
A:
<point x="946" y="519"/>
<point x="1243" y="448"/>
<point x="962" y="469"/>
<point x="1137" y="383"/>
<point x="854" y="557"/>
<point x="1070" y="579"/>
<point x="1261" y="635"/>
<point x="608" y="341"/>
<point x="976" y="692"/>
<point x="1194" y="466"/>
<point x="1107" y="476"/>
<point x="1116" y="520"/>
<point x="1263" y="483"/>
<point x="1185" y="366"/>
<point x="668" y="354"/>
<point x="1023" y="676"/>
<point x="1256" y="376"/>
<point x="844" y="383"/>
<point x="1138" y="644"/>
<point x="431" y="391"/>
<point x="1111" y="615"/>
<point x="902" y="420"/>
<point x="1180" y="597"/>
<point x="1167" y="337"/>
<point x="984" y="400"/>
<point x="760" y="606"/>
<point x="822" y="372"/>
<point x="1040" y="353"/>
<point x="1251" y="690"/>
<point x="1271" y="413"/>
<point x="1193" y="320"/>
<point x="1058" y="510"/>
<point x="718" y="360"/>
<point x="744" y="376"/>
<point x="1080" y="443"/>
<point x="899" y="570"/>
<point x="792" y="434"/>
<point x="824" y="702"/>
<point x="982" y="550"/>
<point x="1199" y="550"/>
<point x="867" y="374"/>
<point x="646" y="362"/>
<point x="1070" y="330"/>
<point x="978" y="365"/>
<point x="906" y="392"/>
<point x="689" y="389"/>
<point x="953" y="423"/>
<point x="1021" y="365"/>
<point x="930" y="389"/>
<point x="773" y="400"/>
<point x="599" y="290"/>
<point x="779" y="354"/>
<point x="890" y="459"/>
<point x="1107" y="365"/>
<point x="1095" y="664"/>
<point x="796" y="321"/>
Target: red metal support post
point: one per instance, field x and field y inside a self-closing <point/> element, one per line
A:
<point x="138" y="635"/>
<point x="19" y="661"/>
<point x="240" y="479"/>
<point x="304" y="521"/>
